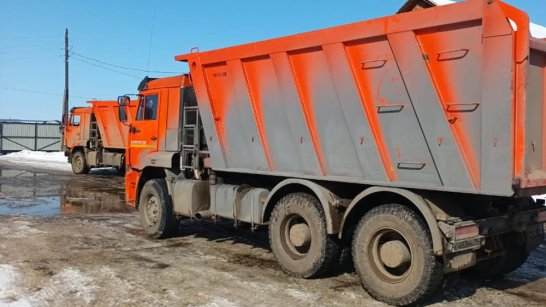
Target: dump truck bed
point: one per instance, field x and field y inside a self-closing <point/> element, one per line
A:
<point x="113" y="132"/>
<point x="449" y="98"/>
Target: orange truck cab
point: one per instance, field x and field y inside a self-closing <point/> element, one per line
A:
<point x="416" y="140"/>
<point x="95" y="136"/>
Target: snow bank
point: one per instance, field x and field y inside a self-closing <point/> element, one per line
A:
<point x="38" y="160"/>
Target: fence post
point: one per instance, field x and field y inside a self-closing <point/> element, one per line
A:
<point x="35" y="136"/>
<point x="1" y="137"/>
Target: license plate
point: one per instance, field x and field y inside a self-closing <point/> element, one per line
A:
<point x="475" y="243"/>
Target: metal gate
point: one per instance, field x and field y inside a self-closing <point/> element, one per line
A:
<point x="18" y="135"/>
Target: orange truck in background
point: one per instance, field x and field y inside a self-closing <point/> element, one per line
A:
<point x="95" y="136"/>
<point x="415" y="140"/>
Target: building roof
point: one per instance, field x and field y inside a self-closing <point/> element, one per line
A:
<point x="422" y="4"/>
<point x="537" y="31"/>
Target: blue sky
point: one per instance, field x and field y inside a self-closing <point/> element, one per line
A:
<point x="119" y="32"/>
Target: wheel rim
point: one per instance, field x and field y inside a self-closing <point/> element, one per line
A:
<point x="78" y="162"/>
<point x="151" y="210"/>
<point x="296" y="237"/>
<point x="390" y="255"/>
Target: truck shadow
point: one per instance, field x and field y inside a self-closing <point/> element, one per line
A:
<point x="105" y="171"/>
<point x="224" y="231"/>
<point x="527" y="282"/>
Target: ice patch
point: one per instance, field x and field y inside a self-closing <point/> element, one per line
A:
<point x="69" y="282"/>
<point x="302" y="296"/>
<point x="20" y="229"/>
<point x="7" y="275"/>
<point x="38" y="159"/>
<point x="221" y="302"/>
<point x="8" y="292"/>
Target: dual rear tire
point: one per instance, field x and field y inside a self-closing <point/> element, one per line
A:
<point x="392" y="248"/>
<point x="393" y="256"/>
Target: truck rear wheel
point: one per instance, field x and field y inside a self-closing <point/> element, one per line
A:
<point x="393" y="256"/>
<point x="156" y="210"/>
<point x="298" y="237"/>
<point x="79" y="164"/>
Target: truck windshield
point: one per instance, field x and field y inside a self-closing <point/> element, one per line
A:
<point x="147" y="109"/>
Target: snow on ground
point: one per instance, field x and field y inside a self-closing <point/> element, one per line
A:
<point x="38" y="159"/>
<point x="8" y="291"/>
<point x="7" y="275"/>
<point x="70" y="281"/>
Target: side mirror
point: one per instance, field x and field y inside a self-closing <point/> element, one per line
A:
<point x="124" y="100"/>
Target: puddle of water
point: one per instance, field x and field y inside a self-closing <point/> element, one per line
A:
<point x="24" y="192"/>
<point x="41" y="206"/>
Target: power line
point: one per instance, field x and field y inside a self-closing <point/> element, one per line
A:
<point x="16" y="46"/>
<point x="28" y="37"/>
<point x="121" y="67"/>
<point x="39" y="92"/>
<point x="3" y="59"/>
<point x="2" y="52"/>
<point x="104" y="67"/>
<point x="151" y="37"/>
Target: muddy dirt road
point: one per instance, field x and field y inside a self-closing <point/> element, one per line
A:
<point x="67" y="240"/>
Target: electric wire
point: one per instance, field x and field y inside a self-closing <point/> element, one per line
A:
<point x="40" y="92"/>
<point x="151" y="37"/>
<point x="28" y="51"/>
<point x="3" y="59"/>
<point x="120" y="67"/>
<point x="104" y="67"/>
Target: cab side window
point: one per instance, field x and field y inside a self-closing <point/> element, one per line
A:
<point x="75" y="120"/>
<point x="147" y="108"/>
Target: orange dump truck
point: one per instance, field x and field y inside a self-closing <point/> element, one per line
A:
<point x="415" y="140"/>
<point x="96" y="136"/>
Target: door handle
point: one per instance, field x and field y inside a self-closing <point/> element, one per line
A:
<point x="153" y="138"/>
<point x="134" y="130"/>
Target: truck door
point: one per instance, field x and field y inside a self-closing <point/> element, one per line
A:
<point x="143" y="134"/>
<point x="73" y="131"/>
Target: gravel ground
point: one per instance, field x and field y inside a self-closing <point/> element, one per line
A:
<point x="67" y="240"/>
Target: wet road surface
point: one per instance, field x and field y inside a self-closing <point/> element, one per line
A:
<point x="70" y="240"/>
<point x="50" y="193"/>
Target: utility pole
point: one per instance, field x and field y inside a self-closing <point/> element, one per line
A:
<point x="64" y="121"/>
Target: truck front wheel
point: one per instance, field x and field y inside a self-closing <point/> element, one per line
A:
<point x="393" y="256"/>
<point x="79" y="164"/>
<point x="298" y="236"/>
<point x="156" y="210"/>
